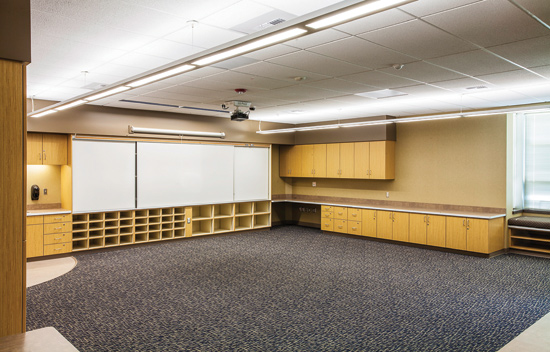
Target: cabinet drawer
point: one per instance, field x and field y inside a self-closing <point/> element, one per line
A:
<point x="327" y="224"/>
<point x="354" y="227"/>
<point x="326" y="207"/>
<point x="341" y="226"/>
<point x="354" y="214"/>
<point x="58" y="238"/>
<point x="340" y="213"/>
<point x="58" y="227"/>
<point x="35" y="220"/>
<point x="327" y="215"/>
<point x="48" y="219"/>
<point x="58" y="248"/>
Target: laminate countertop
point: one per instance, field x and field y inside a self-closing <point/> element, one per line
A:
<point x="52" y="211"/>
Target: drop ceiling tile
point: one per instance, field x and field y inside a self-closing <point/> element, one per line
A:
<point x="322" y="37"/>
<point x="379" y="80"/>
<point x="541" y="91"/>
<point x="423" y="90"/>
<point x="353" y="99"/>
<point x="168" y="49"/>
<point x="265" y="101"/>
<point x="474" y="63"/>
<point x="143" y="61"/>
<point x="361" y="52"/>
<point x="203" y="36"/>
<point x="91" y="79"/>
<point x="461" y="85"/>
<point x="237" y="13"/>
<point x="423" y="72"/>
<point x="489" y="23"/>
<point x="242" y="80"/>
<point x="538" y="8"/>
<point x="376" y="21"/>
<point x="135" y="106"/>
<point x="418" y="39"/>
<point x="340" y="85"/>
<point x="429" y="7"/>
<point x="542" y="70"/>
<point x="271" y="52"/>
<point x="298" y="8"/>
<point x="465" y="101"/>
<point x="316" y="63"/>
<point x="45" y="80"/>
<point x="298" y="93"/>
<point x="234" y="63"/>
<point x="527" y="53"/>
<point x="515" y="78"/>
<point x="113" y="69"/>
<point x="204" y="72"/>
<point x="503" y="97"/>
<point x="283" y="73"/>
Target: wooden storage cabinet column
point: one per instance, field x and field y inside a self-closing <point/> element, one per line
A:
<point x="392" y="225"/>
<point x="475" y="235"/>
<point x="341" y="219"/>
<point x="46" y="149"/>
<point x="375" y="160"/>
<point x="290" y="161"/>
<point x="49" y="235"/>
<point x="368" y="219"/>
<point x="427" y="229"/>
<point x="35" y="236"/>
<point x="340" y="160"/>
<point x="314" y="160"/>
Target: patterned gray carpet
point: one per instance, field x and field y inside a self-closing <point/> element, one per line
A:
<point x="291" y="289"/>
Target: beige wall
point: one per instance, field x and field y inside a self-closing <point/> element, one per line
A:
<point x="455" y="162"/>
<point x="44" y="176"/>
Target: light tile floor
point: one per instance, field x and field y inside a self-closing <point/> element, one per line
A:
<point x="44" y="270"/>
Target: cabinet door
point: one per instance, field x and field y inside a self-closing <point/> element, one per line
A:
<point x="362" y="160"/>
<point x="384" y="222"/>
<point x="55" y="149"/>
<point x="382" y="160"/>
<point x="347" y="160"/>
<point x="35" y="241"/>
<point x="34" y="148"/>
<point x="320" y="160"/>
<point x="477" y="235"/>
<point x="400" y="226"/>
<point x="368" y="219"/>
<point x="307" y="160"/>
<point x="435" y="234"/>
<point x="456" y="233"/>
<point x="340" y="213"/>
<point x="418" y="225"/>
<point x="284" y="161"/>
<point x="296" y="161"/>
<point x="333" y="160"/>
<point x="354" y="214"/>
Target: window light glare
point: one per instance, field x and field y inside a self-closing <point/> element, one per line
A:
<point x="355" y="12"/>
<point x="275" y="38"/>
<point x="70" y="105"/>
<point x="47" y="112"/>
<point x="161" y="75"/>
<point x="107" y="93"/>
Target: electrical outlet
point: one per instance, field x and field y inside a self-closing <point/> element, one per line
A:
<point x="387" y="194"/>
<point x="314" y="184"/>
<point x="188" y="220"/>
<point x="45" y="191"/>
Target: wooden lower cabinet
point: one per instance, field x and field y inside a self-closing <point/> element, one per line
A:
<point x="354" y="227"/>
<point x="418" y="228"/>
<point x="400" y="226"/>
<point x="35" y="240"/>
<point x="435" y="233"/>
<point x="384" y="225"/>
<point x="340" y="226"/>
<point x="368" y="220"/>
<point x="327" y="224"/>
<point x="456" y="233"/>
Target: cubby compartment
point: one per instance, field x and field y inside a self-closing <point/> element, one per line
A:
<point x="141" y="237"/>
<point x="179" y="233"/>
<point x="141" y="213"/>
<point x="179" y="211"/>
<point x="95" y="225"/>
<point x="223" y="210"/>
<point x="167" y="234"/>
<point x="167" y="219"/>
<point x="154" y="220"/>
<point x="202" y="212"/>
<point x="95" y="233"/>
<point x="262" y="220"/>
<point x="179" y="225"/>
<point x="141" y="229"/>
<point x="179" y="217"/>
<point x="126" y="222"/>
<point x="128" y="214"/>
<point x="243" y="222"/>
<point x="154" y="236"/>
<point x="96" y="217"/>
<point x="154" y="227"/>
<point x="223" y="225"/>
<point x="113" y="215"/>
<point x="243" y="209"/>
<point x="167" y="211"/>
<point x="126" y="239"/>
<point x="262" y="207"/>
<point x="96" y="243"/>
<point x="80" y="245"/>
<point x="126" y="230"/>
<point x="80" y="235"/>
<point x="79" y="227"/>
<point x="112" y="241"/>
<point x="202" y="227"/>
<point x="111" y="232"/>
<point x="167" y="226"/>
<point x="111" y="224"/>
<point x="79" y="218"/>
<point x="154" y="212"/>
<point x="141" y="221"/>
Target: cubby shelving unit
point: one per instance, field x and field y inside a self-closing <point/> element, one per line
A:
<point x="120" y="228"/>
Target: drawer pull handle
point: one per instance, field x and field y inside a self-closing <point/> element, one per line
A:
<point x="353" y="214"/>
<point x="339" y="226"/>
<point x="354" y="228"/>
<point x="57" y="249"/>
<point x="58" y="218"/>
<point x="58" y="228"/>
<point x="340" y="213"/>
<point x="327" y="225"/>
<point x="58" y="238"/>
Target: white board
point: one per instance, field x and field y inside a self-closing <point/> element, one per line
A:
<point x="183" y="174"/>
<point x="103" y="175"/>
<point x="251" y="173"/>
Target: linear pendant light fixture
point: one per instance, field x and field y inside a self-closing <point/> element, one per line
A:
<point x="132" y="130"/>
<point x="293" y="29"/>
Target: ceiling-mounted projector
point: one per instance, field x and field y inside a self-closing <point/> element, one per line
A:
<point x="238" y="115"/>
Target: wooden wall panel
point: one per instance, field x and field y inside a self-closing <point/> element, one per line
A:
<point x="12" y="201"/>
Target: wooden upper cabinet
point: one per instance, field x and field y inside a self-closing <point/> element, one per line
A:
<point x="382" y="160"/>
<point x="319" y="160"/>
<point x="333" y="160"/>
<point x="296" y="160"/>
<point x="362" y="160"/>
<point x="46" y="149"/>
<point x="284" y="160"/>
<point x="347" y="160"/>
<point x="307" y="160"/>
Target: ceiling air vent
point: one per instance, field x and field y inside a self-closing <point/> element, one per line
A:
<point x="476" y="87"/>
<point x="271" y="23"/>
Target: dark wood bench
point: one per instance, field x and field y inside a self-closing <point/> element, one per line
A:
<point x="530" y="233"/>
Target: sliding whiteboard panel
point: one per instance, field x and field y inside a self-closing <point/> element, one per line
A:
<point x="183" y="174"/>
<point x="103" y="175"/>
<point x="251" y="173"/>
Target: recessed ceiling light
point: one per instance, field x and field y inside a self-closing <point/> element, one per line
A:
<point x="381" y="94"/>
